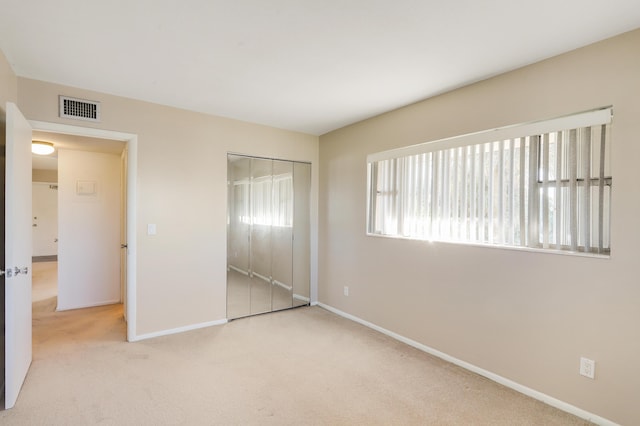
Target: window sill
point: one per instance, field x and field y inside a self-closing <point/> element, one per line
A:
<point x="499" y="247"/>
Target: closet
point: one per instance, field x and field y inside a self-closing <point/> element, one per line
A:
<point x="268" y="250"/>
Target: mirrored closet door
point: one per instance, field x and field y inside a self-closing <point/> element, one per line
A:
<point x="268" y="251"/>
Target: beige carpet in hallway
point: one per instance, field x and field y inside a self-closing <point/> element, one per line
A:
<point x="45" y="281"/>
<point x="304" y="366"/>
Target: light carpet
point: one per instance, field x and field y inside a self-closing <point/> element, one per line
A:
<point x="304" y="366"/>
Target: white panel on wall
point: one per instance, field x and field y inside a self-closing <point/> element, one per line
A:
<point x="45" y="219"/>
<point x="89" y="229"/>
<point x="84" y="187"/>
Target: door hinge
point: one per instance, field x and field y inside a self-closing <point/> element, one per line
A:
<point x="15" y="271"/>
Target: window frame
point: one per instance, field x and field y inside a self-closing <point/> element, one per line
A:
<point x="542" y="183"/>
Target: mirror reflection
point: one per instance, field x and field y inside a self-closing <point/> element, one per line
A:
<point x="267" y="236"/>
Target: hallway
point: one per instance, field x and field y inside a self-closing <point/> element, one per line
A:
<point x="52" y="329"/>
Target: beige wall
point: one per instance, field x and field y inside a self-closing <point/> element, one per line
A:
<point x="8" y="93"/>
<point x="8" y="87"/>
<point x="181" y="187"/>
<point x="522" y="315"/>
<point x="42" y="175"/>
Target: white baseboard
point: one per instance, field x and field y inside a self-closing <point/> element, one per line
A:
<point x="91" y="305"/>
<point x="302" y="298"/>
<point x="242" y="271"/>
<point x="262" y="277"/>
<point x="177" y="330"/>
<point x="283" y="285"/>
<point x="549" y="400"/>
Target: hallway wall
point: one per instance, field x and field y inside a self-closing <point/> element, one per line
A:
<point x="89" y="229"/>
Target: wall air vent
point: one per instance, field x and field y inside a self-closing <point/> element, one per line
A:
<point x="79" y="109"/>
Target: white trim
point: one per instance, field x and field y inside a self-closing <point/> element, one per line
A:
<point x="179" y="330"/>
<point x="549" y="400"/>
<point x="262" y="277"/>
<point x="243" y="272"/>
<point x="497" y="246"/>
<point x="91" y="305"/>
<point x="283" y="285"/>
<point x="302" y="298"/>
<point x="574" y="121"/>
<point x="91" y="132"/>
<point x="132" y="242"/>
<point x="132" y="181"/>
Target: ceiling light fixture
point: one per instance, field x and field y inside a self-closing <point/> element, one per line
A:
<point x="42" y="148"/>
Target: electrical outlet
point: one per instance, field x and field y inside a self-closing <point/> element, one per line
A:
<point x="587" y="368"/>
<point x="346" y="290"/>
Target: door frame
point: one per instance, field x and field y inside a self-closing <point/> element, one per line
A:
<point x="131" y="141"/>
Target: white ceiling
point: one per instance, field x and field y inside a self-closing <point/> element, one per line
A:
<point x="311" y="66"/>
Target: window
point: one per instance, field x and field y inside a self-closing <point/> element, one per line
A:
<point x="544" y="185"/>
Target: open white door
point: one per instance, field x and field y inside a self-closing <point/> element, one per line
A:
<point x="18" y="246"/>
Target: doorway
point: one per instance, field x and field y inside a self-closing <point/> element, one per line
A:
<point x="77" y="192"/>
<point x="18" y="239"/>
<point x="128" y="142"/>
<point x="44" y="230"/>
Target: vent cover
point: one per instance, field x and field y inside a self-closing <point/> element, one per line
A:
<point x="79" y="109"/>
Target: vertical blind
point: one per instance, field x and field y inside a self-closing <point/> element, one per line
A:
<point x="548" y="189"/>
<point x="272" y="200"/>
